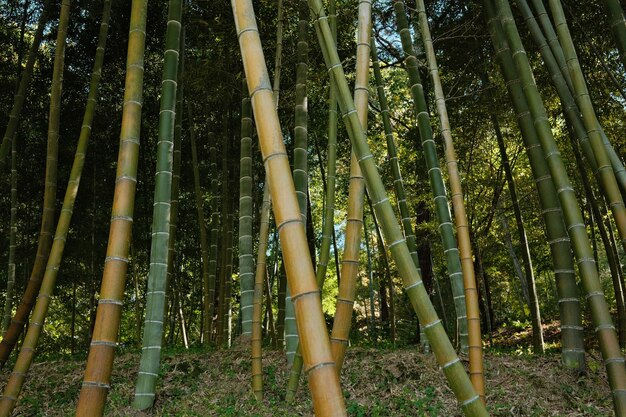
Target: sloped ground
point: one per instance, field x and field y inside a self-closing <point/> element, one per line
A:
<point x="375" y="382"/>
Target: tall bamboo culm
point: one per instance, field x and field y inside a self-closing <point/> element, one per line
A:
<point x="591" y="123"/>
<point x="209" y="286"/>
<point x="572" y="343"/>
<point x="323" y="380"/>
<point x="475" y="345"/>
<point x="300" y="159"/>
<point x="340" y="334"/>
<point x="171" y="292"/>
<point x="444" y="351"/>
<point x="581" y="246"/>
<point x="246" y="257"/>
<point x="20" y="95"/>
<point x="261" y="271"/>
<point x="37" y="320"/>
<point x="159" y="252"/>
<point x="8" y="301"/>
<point x="446" y="229"/>
<point x="97" y="379"/>
<point x="44" y="245"/>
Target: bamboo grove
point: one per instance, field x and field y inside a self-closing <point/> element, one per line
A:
<point x="307" y="178"/>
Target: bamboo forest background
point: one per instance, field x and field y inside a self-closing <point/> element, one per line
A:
<point x="483" y="121"/>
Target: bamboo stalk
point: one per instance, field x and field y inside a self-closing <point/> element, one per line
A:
<point x="246" y="257"/>
<point x="323" y="379"/>
<point x="356" y="192"/>
<point x="20" y="96"/>
<point x="97" y="379"/>
<point x="159" y="252"/>
<point x="618" y="26"/>
<point x="209" y="287"/>
<point x="27" y="350"/>
<point x="44" y="245"/>
<point x="572" y="343"/>
<point x="8" y="303"/>
<point x="261" y="268"/>
<point x="444" y="351"/>
<point x="604" y="328"/>
<point x="475" y="345"/>
<point x="446" y="230"/>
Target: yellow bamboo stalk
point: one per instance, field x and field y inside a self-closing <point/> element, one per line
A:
<point x="356" y="193"/>
<point x="475" y="345"/>
<point x="319" y="365"/>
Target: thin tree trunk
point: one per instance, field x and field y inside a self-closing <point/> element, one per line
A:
<point x="8" y="304"/>
<point x="209" y="288"/>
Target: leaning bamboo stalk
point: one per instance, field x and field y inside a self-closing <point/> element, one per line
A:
<point x="44" y="245"/>
<point x="604" y="328"/>
<point x="161" y="216"/>
<point x="609" y="187"/>
<point x="27" y="350"/>
<point x="300" y="159"/>
<point x="97" y="379"/>
<point x="356" y="193"/>
<point x="475" y="345"/>
<point x="323" y="379"/>
<point x="20" y="96"/>
<point x="572" y="343"/>
<point x="446" y="229"/>
<point x="392" y="153"/>
<point x="554" y="58"/>
<point x="351" y="250"/>
<point x="246" y="257"/>
<point x="261" y="270"/>
<point x="444" y="351"/>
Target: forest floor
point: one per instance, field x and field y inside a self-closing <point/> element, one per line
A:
<point x="375" y="381"/>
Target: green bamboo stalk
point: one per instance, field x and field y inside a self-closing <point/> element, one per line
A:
<point x="300" y="160"/>
<point x="604" y="328"/>
<point x="44" y="245"/>
<point x="261" y="270"/>
<point x="553" y="55"/>
<point x="27" y="350"/>
<point x="437" y="185"/>
<point x="170" y="285"/>
<point x="618" y="26"/>
<point x="97" y="379"/>
<point x="444" y="351"/>
<point x="323" y="379"/>
<point x="572" y="342"/>
<point x="246" y="257"/>
<point x="608" y="181"/>
<point x="209" y="286"/>
<point x="8" y="303"/>
<point x="278" y="58"/>
<point x="159" y="252"/>
<point x="20" y="96"/>
<point x="328" y="221"/>
<point x="475" y="346"/>
<point x="392" y="154"/>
